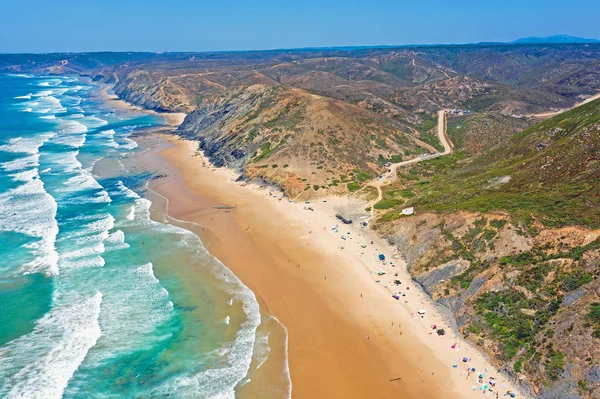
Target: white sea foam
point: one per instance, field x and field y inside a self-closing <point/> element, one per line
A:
<point x="125" y="191"/>
<point x="25" y="97"/>
<point x="76" y="101"/>
<point x="40" y="364"/>
<point x="110" y="138"/>
<point x="46" y="103"/>
<point x="93" y="122"/>
<point x="99" y="197"/>
<point x="21" y="163"/>
<point x="70" y="126"/>
<point x="20" y="75"/>
<point x="131" y="213"/>
<point x="82" y="263"/>
<point x="261" y="349"/>
<point x="130" y="318"/>
<point x="95" y="229"/>
<point x="83" y="181"/>
<point x="66" y="160"/>
<point x="28" y="209"/>
<point x="83" y="252"/>
<point x="75" y="140"/>
<point x="235" y="357"/>
<point x="25" y="176"/>
<point x="50" y="82"/>
<point x="43" y="93"/>
<point x="50" y="99"/>
<point x="102" y="224"/>
<point x="48" y="117"/>
<point x="28" y="145"/>
<point x="26" y="110"/>
<point x="130" y="144"/>
<point x="116" y="241"/>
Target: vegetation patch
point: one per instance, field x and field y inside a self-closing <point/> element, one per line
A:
<point x="353" y="186"/>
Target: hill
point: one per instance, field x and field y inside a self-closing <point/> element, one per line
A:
<point x="548" y="173"/>
<point x="314" y="106"/>
<point x="556" y="39"/>
<point x="509" y="242"/>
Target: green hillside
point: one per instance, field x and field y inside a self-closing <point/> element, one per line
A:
<point x="549" y="172"/>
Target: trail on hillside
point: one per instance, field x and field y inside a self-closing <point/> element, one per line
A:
<point x="444" y="139"/>
<point x="554" y="113"/>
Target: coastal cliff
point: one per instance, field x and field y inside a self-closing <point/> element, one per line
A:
<point x="308" y="144"/>
<point x="509" y="242"/>
<point x="524" y="299"/>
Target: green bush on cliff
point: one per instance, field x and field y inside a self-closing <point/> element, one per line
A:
<point x="353" y="186"/>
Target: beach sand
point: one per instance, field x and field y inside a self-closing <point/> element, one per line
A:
<point x="171" y="118"/>
<point x="348" y="338"/>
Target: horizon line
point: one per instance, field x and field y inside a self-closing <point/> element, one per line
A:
<point x="317" y="48"/>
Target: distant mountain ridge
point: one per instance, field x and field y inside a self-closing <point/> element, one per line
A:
<point x="555" y="39"/>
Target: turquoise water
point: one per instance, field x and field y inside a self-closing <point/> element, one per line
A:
<point x="92" y="301"/>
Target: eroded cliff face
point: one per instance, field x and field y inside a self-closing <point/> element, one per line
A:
<point x="160" y="91"/>
<point x="308" y="144"/>
<point x="526" y="295"/>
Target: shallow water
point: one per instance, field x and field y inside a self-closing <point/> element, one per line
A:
<point x="97" y="298"/>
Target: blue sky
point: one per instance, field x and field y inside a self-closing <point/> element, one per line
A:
<point x="201" y="25"/>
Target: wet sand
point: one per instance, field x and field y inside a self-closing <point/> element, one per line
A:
<point x="348" y="338"/>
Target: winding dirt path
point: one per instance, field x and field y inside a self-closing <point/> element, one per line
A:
<point x="554" y="113"/>
<point x="444" y="139"/>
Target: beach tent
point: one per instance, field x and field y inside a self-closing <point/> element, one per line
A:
<point x="381" y="257"/>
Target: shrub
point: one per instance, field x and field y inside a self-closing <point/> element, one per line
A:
<point x="353" y="186"/>
<point x="386" y="204"/>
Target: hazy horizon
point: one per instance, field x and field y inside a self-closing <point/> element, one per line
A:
<point x="187" y="26"/>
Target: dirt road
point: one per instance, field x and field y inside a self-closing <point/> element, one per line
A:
<point x="391" y="176"/>
<point x="554" y="113"/>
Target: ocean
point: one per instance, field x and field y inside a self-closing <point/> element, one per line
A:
<point x="97" y="298"/>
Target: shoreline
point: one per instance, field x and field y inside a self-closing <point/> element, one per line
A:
<point x="172" y="118"/>
<point x="400" y="345"/>
<point x="420" y="364"/>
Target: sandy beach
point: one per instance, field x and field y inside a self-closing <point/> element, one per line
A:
<point x="348" y="337"/>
